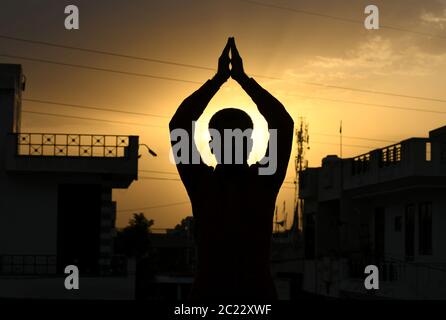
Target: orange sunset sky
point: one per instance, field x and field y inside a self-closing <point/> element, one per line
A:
<point x="388" y="83"/>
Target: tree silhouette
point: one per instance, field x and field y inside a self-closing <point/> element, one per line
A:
<point x="134" y="239"/>
<point x="185" y="227"/>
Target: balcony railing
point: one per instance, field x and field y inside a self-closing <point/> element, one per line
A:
<point x="361" y="164"/>
<point x="27" y="264"/>
<point x="71" y="145"/>
<point x="390" y="155"/>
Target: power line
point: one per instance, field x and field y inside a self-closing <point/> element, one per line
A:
<point x="115" y="54"/>
<point x="157" y="171"/>
<point x="103" y="52"/>
<point x="345" y="145"/>
<point x="177" y="179"/>
<point x="343" y="19"/>
<point x="376" y="92"/>
<point x="156" y="178"/>
<point x="156" y="207"/>
<point x="354" y="137"/>
<point x="176" y="173"/>
<point x="163" y="127"/>
<point x="89" y="107"/>
<point x="369" y="104"/>
<point x="173" y="179"/>
<point x="268" y="5"/>
<point x="73" y="65"/>
<point x="385" y="93"/>
<point x="158" y="126"/>
<point x="92" y="119"/>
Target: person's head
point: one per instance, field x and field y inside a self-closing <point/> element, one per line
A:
<point x="231" y="135"/>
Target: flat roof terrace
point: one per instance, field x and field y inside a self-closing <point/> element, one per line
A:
<point x="113" y="156"/>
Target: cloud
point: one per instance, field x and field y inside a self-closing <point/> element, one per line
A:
<point x="374" y="57"/>
<point x="437" y="21"/>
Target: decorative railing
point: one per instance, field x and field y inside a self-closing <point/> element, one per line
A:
<point x="71" y="145"/>
<point x="27" y="264"/>
<point x="387" y="156"/>
<point x="389" y="271"/>
<point x="361" y="164"/>
<point x="390" y="155"/>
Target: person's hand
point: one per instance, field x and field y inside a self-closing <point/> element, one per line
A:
<point x="237" y="71"/>
<point x="223" y="72"/>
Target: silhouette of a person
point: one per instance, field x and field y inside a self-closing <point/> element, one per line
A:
<point x="233" y="206"/>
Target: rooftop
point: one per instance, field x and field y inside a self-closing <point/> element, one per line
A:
<point x="420" y="158"/>
<point x="112" y="158"/>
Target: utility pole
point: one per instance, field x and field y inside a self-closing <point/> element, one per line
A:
<point x="302" y="140"/>
<point x="285" y="217"/>
<point x="275" y="228"/>
<point x="340" y="138"/>
<point x="341" y="193"/>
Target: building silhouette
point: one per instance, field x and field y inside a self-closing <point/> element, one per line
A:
<point x="174" y="262"/>
<point x="174" y="252"/>
<point x="385" y="207"/>
<point x="56" y="205"/>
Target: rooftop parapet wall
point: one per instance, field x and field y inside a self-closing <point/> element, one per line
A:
<point x="415" y="157"/>
<point x="57" y="154"/>
<point x="410" y="158"/>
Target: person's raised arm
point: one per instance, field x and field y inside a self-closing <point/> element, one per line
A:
<point x="272" y="110"/>
<point x="191" y="109"/>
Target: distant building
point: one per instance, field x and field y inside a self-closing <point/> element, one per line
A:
<point x="56" y="205"/>
<point x="173" y="260"/>
<point x="286" y="260"/>
<point x="387" y="208"/>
